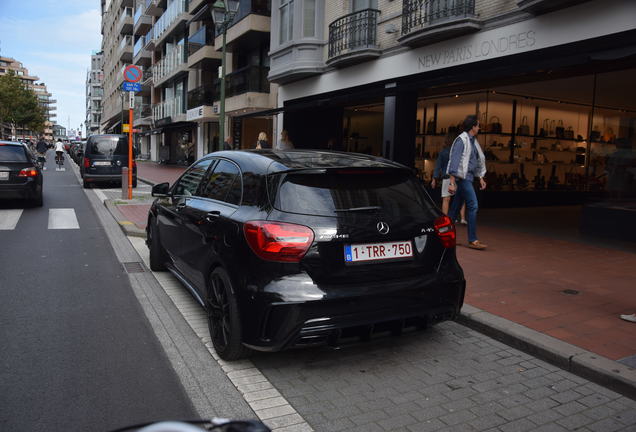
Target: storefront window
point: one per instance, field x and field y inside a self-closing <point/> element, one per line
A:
<point x="363" y="128"/>
<point x="612" y="164"/>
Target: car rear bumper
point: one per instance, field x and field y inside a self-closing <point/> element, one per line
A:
<point x="99" y="178"/>
<point x="334" y="315"/>
<point x="28" y="189"/>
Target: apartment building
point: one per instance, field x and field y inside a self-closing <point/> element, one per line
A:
<point x="549" y="79"/>
<point x="8" y="65"/>
<point x="94" y="94"/>
<point x="176" y="45"/>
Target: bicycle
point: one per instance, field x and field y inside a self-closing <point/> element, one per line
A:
<point x="59" y="161"/>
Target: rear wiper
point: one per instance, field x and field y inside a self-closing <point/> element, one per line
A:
<point x="355" y="209"/>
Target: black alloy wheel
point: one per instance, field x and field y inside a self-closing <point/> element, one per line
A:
<point x="223" y="317"/>
<point x="158" y="255"/>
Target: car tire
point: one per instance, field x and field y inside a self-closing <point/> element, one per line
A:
<point x="38" y="201"/>
<point x="158" y="255"/>
<point x="85" y="184"/>
<point x="224" y="321"/>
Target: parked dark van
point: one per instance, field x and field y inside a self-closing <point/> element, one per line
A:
<point x="103" y="158"/>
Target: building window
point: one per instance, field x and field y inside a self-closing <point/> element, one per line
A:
<point x="286" y="21"/>
<point x="309" y="18"/>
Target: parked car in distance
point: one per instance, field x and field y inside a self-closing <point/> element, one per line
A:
<point x="20" y="175"/>
<point x="76" y="151"/>
<point x="104" y="157"/>
<point x="296" y="248"/>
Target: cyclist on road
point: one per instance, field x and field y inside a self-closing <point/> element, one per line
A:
<point x="41" y="147"/>
<point x="59" y="150"/>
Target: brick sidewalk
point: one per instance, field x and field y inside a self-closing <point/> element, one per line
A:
<point x="525" y="277"/>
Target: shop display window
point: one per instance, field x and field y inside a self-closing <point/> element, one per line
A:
<point x="550" y="135"/>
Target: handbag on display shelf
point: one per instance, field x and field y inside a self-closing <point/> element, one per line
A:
<point x="595" y="135"/>
<point x="568" y="133"/>
<point x="544" y="128"/>
<point x="494" y="126"/>
<point x="524" y="128"/>
<point x="559" y="130"/>
<point x="608" y="135"/>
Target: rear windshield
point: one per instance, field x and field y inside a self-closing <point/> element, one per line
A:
<point x="12" y="153"/>
<point x="109" y="146"/>
<point x="394" y="193"/>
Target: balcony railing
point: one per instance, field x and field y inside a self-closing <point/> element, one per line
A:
<point x="204" y="95"/>
<point x="168" y="108"/>
<point x="126" y="20"/>
<point x="255" y="7"/>
<point x="142" y="112"/>
<point x="125" y="42"/>
<point x="203" y="36"/>
<point x="418" y="14"/>
<point x="139" y="45"/>
<point x="356" y="31"/>
<point x="247" y="79"/>
<point x="138" y="13"/>
<point x="169" y="63"/>
<point x="169" y="16"/>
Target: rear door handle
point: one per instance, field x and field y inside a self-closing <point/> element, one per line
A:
<point x="212" y="216"/>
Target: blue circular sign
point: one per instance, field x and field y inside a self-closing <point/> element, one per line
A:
<point x="132" y="73"/>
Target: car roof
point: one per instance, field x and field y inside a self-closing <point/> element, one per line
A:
<point x="12" y="143"/>
<point x="273" y="161"/>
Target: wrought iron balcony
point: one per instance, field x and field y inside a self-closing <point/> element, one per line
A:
<point x="427" y="21"/>
<point x="247" y="79"/>
<point x="353" y="38"/>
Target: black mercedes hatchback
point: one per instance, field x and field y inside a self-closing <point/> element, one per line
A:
<point x="296" y="248"/>
<point x="20" y="175"/>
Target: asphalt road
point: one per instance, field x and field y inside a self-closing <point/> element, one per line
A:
<point x="77" y="350"/>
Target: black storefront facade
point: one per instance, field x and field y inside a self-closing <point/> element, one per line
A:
<point x="554" y="96"/>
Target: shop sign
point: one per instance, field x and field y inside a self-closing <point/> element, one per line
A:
<point x="200" y="113"/>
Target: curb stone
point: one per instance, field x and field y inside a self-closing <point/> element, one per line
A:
<point x="129" y="228"/>
<point x="586" y="364"/>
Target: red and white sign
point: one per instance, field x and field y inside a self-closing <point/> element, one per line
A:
<point x="133" y="73"/>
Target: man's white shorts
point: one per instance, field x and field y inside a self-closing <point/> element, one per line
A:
<point x="445" y="184"/>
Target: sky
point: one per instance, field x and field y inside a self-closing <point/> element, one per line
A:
<point x="54" y="40"/>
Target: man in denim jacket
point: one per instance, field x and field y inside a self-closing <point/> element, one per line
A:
<point x="466" y="163"/>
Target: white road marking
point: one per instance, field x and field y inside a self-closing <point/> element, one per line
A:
<point x="9" y="218"/>
<point x="63" y="219"/>
<point x="266" y="401"/>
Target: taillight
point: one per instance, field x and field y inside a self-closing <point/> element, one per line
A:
<point x="278" y="241"/>
<point x="445" y="230"/>
<point x="28" y="172"/>
<point x="87" y="162"/>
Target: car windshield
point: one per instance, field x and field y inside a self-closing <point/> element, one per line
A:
<point x="12" y="153"/>
<point x="328" y="194"/>
<point x="109" y="146"/>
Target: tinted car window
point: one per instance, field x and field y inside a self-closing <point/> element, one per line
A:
<point x="394" y="193"/>
<point x="224" y="183"/>
<point x="189" y="181"/>
<point x="108" y="146"/>
<point x="11" y="153"/>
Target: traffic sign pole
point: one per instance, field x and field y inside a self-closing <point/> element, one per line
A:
<point x="130" y="144"/>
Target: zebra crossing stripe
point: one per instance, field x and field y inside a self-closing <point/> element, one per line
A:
<point x="63" y="219"/>
<point x="9" y="218"/>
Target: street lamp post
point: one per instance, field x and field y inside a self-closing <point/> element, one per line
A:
<point x="223" y="12"/>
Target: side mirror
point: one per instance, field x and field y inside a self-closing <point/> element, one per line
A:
<point x="161" y="190"/>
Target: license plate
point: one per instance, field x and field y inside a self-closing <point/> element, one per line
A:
<point x="4" y="175"/>
<point x="378" y="251"/>
<point x="98" y="163"/>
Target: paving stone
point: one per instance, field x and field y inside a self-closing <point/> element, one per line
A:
<point x="550" y="428"/>
<point x="368" y="417"/>
<point x="429" y="413"/>
<point x="627" y="417"/>
<point x="606" y="425"/>
<point x="487" y="421"/>
<point x="599" y="412"/>
<point x="570" y="408"/>
<point x="594" y="400"/>
<point x="282" y="421"/>
<point x="574" y="422"/>
<point x="427" y="426"/>
<point x="514" y="400"/>
<point x="458" y="417"/>
<point x="397" y="422"/>
<point x="539" y="393"/>
<point x="520" y="425"/>
<point x="336" y="425"/>
<point x="566" y="396"/>
<point x="544" y="417"/>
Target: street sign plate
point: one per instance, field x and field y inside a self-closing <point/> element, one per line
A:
<point x="131" y="87"/>
<point x="132" y="73"/>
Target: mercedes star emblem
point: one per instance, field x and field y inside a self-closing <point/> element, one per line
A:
<point x="383" y="227"/>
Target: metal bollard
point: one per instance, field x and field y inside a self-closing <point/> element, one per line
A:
<point x="124" y="182"/>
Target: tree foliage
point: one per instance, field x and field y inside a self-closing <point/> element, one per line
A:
<point x="19" y="105"/>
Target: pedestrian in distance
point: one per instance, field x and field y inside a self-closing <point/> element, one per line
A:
<point x="261" y="142"/>
<point x="284" y="143"/>
<point x="227" y="144"/>
<point x="440" y="173"/>
<point x="467" y="163"/>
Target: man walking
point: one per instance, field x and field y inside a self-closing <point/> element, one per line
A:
<point x="466" y="163"/>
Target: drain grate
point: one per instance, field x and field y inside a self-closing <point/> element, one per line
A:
<point x="133" y="267"/>
<point x="570" y="292"/>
